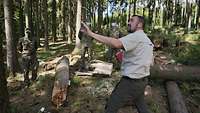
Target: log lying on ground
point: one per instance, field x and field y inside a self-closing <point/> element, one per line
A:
<point x="176" y="102"/>
<point x="59" y="94"/>
<point x="174" y="72"/>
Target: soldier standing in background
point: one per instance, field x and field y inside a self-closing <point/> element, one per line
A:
<point x="29" y="57"/>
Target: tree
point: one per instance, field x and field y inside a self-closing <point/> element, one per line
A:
<point x="78" y="23"/>
<point x="4" y="98"/>
<point x="10" y="41"/>
<point x="45" y="13"/>
<point x="53" y="4"/>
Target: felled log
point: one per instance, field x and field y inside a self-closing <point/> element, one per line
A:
<point x="98" y="68"/>
<point x="59" y="94"/>
<point x="176" y="102"/>
<point x="175" y="72"/>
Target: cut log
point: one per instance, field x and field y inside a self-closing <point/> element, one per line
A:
<point x="175" y="72"/>
<point x="59" y="94"/>
<point x="176" y="102"/>
<point x="98" y="68"/>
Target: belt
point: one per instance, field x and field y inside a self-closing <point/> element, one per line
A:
<point x="143" y="78"/>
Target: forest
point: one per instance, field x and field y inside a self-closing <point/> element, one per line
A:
<point x="40" y="39"/>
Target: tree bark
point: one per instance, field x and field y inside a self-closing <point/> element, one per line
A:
<point x="37" y="23"/>
<point x="46" y="43"/>
<point x="63" y="9"/>
<point x="10" y="42"/>
<point x="134" y="8"/>
<point x="27" y="18"/>
<point x="21" y="19"/>
<point x="4" y="98"/>
<point x="69" y="33"/>
<point x="100" y="15"/>
<point x="53" y="4"/>
<point x="176" y="101"/>
<point x="59" y="94"/>
<point x="78" y="25"/>
<point x="173" y="72"/>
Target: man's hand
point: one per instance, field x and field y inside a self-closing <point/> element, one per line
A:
<point x="85" y="29"/>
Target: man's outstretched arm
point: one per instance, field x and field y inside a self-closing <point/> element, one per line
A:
<point x="113" y="42"/>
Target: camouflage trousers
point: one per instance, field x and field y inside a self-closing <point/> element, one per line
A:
<point x="29" y="63"/>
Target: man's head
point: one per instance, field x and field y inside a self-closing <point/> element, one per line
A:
<point x="135" y="23"/>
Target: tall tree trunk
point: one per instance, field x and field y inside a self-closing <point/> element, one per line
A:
<point x="4" y="98"/>
<point x="161" y="15"/>
<point x="45" y="11"/>
<point x="197" y="20"/>
<point x="78" y="23"/>
<point x="134" y="8"/>
<point x="21" y="19"/>
<point x="11" y="55"/>
<point x="53" y="4"/>
<point x="27" y="17"/>
<point x="189" y="14"/>
<point x="37" y="23"/>
<point x="63" y="9"/>
<point x="100" y="15"/>
<point x="69" y="33"/>
<point x="31" y="19"/>
<point x="129" y="8"/>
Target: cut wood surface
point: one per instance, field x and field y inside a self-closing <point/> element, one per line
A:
<point x="176" y="101"/>
<point x="100" y="68"/>
<point x="59" y="94"/>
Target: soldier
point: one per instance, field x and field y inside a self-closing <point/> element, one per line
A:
<point x="86" y="49"/>
<point x="29" y="57"/>
<point x="115" y="34"/>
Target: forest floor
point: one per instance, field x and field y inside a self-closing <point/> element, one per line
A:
<point x="87" y="94"/>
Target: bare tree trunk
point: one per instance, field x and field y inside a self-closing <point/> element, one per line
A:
<point x="189" y="14"/>
<point x="63" y="9"/>
<point x="37" y="24"/>
<point x="27" y="17"/>
<point x="53" y="4"/>
<point x="134" y="8"/>
<point x="100" y="15"/>
<point x="8" y="15"/>
<point x="46" y="43"/>
<point x="197" y="14"/>
<point x="129" y="8"/>
<point x="69" y="41"/>
<point x="4" y="98"/>
<point x="78" y="23"/>
<point x="21" y="19"/>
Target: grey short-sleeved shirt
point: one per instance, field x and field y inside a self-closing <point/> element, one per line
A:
<point x="138" y="55"/>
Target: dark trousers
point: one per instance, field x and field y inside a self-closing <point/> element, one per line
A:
<point x="128" y="89"/>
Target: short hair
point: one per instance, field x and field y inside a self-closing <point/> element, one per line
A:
<point x="141" y="19"/>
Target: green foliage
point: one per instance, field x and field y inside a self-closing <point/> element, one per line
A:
<point x="189" y="55"/>
<point x="155" y="107"/>
<point x="75" y="81"/>
<point x="14" y="109"/>
<point x="45" y="55"/>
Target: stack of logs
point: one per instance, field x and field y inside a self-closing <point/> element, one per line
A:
<point x="172" y="72"/>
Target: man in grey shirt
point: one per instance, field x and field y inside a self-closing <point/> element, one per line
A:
<point x="135" y="67"/>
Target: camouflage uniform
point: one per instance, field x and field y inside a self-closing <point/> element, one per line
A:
<point x="86" y="48"/>
<point x="29" y="58"/>
<point x="115" y="34"/>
